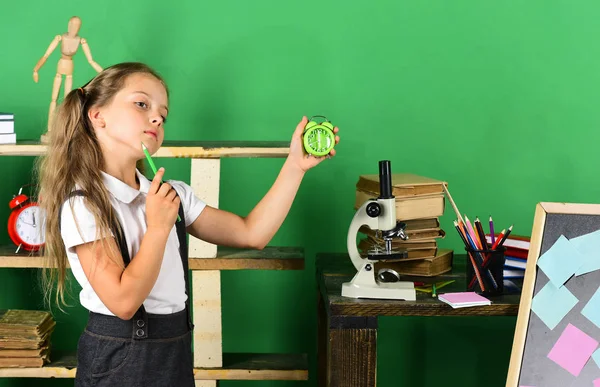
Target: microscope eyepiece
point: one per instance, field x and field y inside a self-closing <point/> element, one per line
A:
<point x="385" y="180"/>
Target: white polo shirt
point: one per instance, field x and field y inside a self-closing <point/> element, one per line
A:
<point x="168" y="294"/>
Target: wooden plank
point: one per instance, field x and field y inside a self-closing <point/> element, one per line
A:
<point x="179" y="149"/>
<point x="62" y="365"/>
<point x="322" y="343"/>
<point x="242" y="366"/>
<point x="570" y="208"/>
<point x="353" y="357"/>
<point x="270" y="258"/>
<point x="516" y="356"/>
<point x="206" y="285"/>
<point x="238" y="366"/>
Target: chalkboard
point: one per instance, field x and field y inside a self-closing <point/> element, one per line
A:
<point x="537" y="359"/>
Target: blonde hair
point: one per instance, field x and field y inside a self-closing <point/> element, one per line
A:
<point x="74" y="159"/>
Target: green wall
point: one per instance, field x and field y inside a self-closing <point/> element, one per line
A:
<point x="496" y="97"/>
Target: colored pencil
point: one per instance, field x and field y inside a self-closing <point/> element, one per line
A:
<point x="481" y="233"/>
<point x="492" y="230"/>
<point x="481" y="260"/>
<point x="456" y="211"/>
<point x="429" y="288"/>
<point x="472" y="243"/>
<point x="488" y="272"/>
<point x="472" y="233"/>
<point x="500" y="236"/>
<point x="485" y="261"/>
<point x="469" y="246"/>
<point x="477" y="274"/>
<point x="462" y="236"/>
<point x="505" y="236"/>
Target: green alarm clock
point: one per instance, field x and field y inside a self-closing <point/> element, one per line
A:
<point x="318" y="137"/>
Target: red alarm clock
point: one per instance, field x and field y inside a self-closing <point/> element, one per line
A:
<point x="25" y="224"/>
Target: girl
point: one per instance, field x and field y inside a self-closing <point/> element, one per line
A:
<point x="120" y="232"/>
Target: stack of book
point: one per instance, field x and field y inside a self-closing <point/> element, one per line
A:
<point x="517" y="249"/>
<point x="420" y="201"/>
<point x="25" y="338"/>
<point x="7" y="128"/>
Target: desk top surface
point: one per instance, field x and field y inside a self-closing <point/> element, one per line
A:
<point x="333" y="269"/>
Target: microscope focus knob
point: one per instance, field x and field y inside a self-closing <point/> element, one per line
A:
<point x="373" y="209"/>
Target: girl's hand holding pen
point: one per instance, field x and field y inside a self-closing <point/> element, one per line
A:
<point x="149" y="158"/>
<point x="162" y="204"/>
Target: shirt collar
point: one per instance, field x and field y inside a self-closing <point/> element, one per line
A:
<point x="122" y="191"/>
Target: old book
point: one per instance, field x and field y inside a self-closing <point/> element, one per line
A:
<point x="24" y="329"/>
<point x="23" y="343"/>
<point x="403" y="185"/>
<point x="431" y="206"/>
<point x="25" y="352"/>
<point x="408" y="244"/>
<point x="426" y="234"/>
<point x="28" y="322"/>
<point x="413" y="235"/>
<point x="428" y="267"/>
<point x="25" y="362"/>
<point x="28" y="336"/>
<point x="421" y="224"/>
<point x="364" y="245"/>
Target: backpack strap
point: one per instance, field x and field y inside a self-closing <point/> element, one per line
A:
<point x="183" y="252"/>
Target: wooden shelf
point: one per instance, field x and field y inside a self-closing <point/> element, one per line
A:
<point x="270" y="258"/>
<point x="179" y="149"/>
<point x="243" y="366"/>
<point x="236" y="366"/>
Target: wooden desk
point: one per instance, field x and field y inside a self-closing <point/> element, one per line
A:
<point x="348" y="327"/>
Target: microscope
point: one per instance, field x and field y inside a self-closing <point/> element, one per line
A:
<point x="378" y="214"/>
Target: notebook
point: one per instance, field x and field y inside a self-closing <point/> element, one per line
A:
<point x="464" y="299"/>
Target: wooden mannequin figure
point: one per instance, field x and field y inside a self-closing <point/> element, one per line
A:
<point x="69" y="45"/>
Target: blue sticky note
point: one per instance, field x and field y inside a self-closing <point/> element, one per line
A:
<point x="592" y="309"/>
<point x="589" y="246"/>
<point x="552" y="304"/>
<point x="561" y="261"/>
<point x="596" y="357"/>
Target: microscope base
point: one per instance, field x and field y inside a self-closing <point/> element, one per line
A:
<point x="363" y="285"/>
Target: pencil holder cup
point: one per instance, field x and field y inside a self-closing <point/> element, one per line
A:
<point x="488" y="280"/>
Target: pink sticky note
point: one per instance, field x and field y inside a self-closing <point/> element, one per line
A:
<point x="573" y="350"/>
<point x="597" y="383"/>
<point x="462" y="297"/>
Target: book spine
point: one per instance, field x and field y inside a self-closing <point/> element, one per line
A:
<point x="510" y="242"/>
<point x="7" y="127"/>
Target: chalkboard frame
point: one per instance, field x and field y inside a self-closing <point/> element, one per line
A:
<point x="537" y="235"/>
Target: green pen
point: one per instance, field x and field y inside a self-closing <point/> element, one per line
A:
<point x="153" y="167"/>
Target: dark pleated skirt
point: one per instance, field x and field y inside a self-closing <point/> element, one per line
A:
<point x="133" y="353"/>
